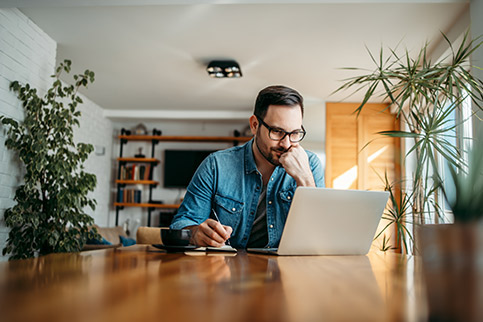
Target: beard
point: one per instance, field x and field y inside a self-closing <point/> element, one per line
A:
<point x="270" y="154"/>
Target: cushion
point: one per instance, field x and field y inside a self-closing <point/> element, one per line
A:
<point x="111" y="234"/>
<point x="110" y="238"/>
<point x="101" y="241"/>
<point x="126" y="241"/>
<point x="148" y="235"/>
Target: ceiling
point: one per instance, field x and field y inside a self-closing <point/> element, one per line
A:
<point x="151" y="56"/>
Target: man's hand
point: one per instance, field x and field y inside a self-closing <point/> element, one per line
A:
<point x="210" y="233"/>
<point x="296" y="162"/>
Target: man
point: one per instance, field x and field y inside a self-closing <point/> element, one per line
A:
<point x="249" y="188"/>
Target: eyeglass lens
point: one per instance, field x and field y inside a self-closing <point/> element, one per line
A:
<point x="280" y="135"/>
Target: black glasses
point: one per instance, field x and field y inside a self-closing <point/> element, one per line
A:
<point x="279" y="134"/>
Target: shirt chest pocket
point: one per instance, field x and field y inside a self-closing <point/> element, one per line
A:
<point x="286" y="197"/>
<point x="229" y="211"/>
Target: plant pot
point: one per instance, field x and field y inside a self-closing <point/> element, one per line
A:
<point x="452" y="256"/>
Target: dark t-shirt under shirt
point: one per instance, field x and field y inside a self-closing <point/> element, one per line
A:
<point x="259" y="234"/>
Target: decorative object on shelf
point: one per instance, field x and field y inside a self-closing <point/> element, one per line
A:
<point x="140" y="153"/>
<point x="140" y="129"/>
<point x="224" y="68"/>
<point x="247" y="131"/>
<point x="125" y="132"/>
<point x="49" y="215"/>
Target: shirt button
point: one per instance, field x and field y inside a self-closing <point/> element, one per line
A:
<point x="270" y="202"/>
<point x="271" y="226"/>
<point x="271" y="178"/>
<point x="233" y="209"/>
<point x="288" y="197"/>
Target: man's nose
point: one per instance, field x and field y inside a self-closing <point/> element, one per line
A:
<point x="285" y="142"/>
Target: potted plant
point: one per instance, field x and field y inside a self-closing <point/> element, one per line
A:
<point x="48" y="215"/>
<point x="453" y="254"/>
<point x="423" y="95"/>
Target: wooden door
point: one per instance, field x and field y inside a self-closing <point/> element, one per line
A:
<point x="352" y="163"/>
<point x="359" y="158"/>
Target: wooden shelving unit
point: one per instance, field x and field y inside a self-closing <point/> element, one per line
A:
<point x="138" y="160"/>
<point x="147" y="205"/>
<point x="137" y="182"/>
<point x="155" y="139"/>
<point x="167" y="138"/>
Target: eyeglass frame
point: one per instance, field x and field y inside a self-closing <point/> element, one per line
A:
<point x="270" y="129"/>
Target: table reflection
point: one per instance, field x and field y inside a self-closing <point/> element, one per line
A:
<point x="142" y="283"/>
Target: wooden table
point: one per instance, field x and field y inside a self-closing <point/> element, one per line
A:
<point x="142" y="283"/>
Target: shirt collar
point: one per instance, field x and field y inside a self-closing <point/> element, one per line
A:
<point x="250" y="165"/>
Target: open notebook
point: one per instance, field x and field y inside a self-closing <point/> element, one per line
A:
<point x="324" y="221"/>
<point x="225" y="248"/>
<point x="193" y="248"/>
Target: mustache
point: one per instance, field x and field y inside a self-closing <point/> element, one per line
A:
<point x="280" y="149"/>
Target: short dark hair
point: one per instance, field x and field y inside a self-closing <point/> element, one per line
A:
<point x="277" y="95"/>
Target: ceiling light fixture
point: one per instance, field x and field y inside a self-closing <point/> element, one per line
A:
<point x="224" y="68"/>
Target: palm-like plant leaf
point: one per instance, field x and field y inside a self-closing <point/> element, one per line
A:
<point x="399" y="203"/>
<point x="426" y="95"/>
<point x="467" y="203"/>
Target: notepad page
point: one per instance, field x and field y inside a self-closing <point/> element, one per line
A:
<point x="224" y="248"/>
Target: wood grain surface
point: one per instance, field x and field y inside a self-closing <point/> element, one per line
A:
<point x="142" y="283"/>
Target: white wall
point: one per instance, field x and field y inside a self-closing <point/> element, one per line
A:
<point x="314" y="124"/>
<point x="28" y="54"/>
<point x="97" y="130"/>
<point x="476" y="8"/>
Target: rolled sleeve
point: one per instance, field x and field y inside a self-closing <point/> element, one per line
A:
<point x="197" y="203"/>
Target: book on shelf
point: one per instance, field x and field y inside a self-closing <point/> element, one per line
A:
<point x="120" y="195"/>
<point x="135" y="172"/>
<point x="129" y="195"/>
<point x="142" y="169"/>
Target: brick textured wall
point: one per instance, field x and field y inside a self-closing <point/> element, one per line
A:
<point x="28" y="54"/>
<point x="97" y="130"/>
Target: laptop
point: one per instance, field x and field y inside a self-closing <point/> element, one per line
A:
<point x="323" y="221"/>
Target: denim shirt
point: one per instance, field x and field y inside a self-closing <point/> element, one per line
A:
<point x="228" y="182"/>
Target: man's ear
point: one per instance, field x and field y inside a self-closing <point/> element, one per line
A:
<point x="254" y="124"/>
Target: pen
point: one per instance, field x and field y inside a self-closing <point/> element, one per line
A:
<point x="218" y="220"/>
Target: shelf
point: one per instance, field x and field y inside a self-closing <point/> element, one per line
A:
<point x="136" y="181"/>
<point x="152" y="162"/>
<point x="146" y="205"/>
<point x="173" y="138"/>
<point x="140" y="160"/>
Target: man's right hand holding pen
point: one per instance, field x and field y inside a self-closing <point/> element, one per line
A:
<point x="210" y="233"/>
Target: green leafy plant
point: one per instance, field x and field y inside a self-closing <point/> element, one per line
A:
<point x="48" y="216"/>
<point x="424" y="95"/>
<point x="395" y="215"/>
<point x="385" y="246"/>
